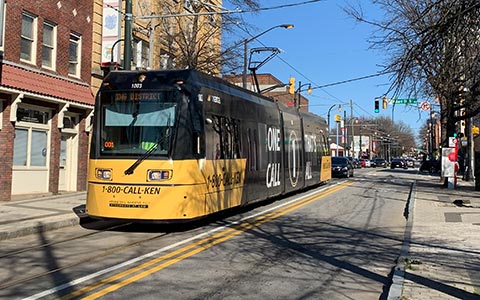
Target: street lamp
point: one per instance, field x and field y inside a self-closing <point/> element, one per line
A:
<point x="245" y="50"/>
<point x="299" y="90"/>
<point x="328" y="118"/>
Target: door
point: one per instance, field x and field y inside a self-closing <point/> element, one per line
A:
<point x="68" y="164"/>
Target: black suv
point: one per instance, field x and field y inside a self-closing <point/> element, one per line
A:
<point x="380" y="162"/>
<point x="341" y="167"/>
<point x="398" y="163"/>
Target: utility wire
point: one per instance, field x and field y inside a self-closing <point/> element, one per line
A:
<point x="353" y="79"/>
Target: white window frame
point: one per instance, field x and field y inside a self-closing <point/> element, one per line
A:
<point x="75" y="120"/>
<point x="141" y="54"/>
<point x="3" y="7"/>
<point x="38" y="127"/>
<point x="33" y="39"/>
<point x="1" y="114"/>
<point x="52" y="47"/>
<point x="77" y="39"/>
<point x="144" y="54"/>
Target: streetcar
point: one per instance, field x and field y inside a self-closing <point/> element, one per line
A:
<point x="178" y="145"/>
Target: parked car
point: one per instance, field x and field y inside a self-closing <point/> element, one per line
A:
<point x="354" y="162"/>
<point x="341" y="167"/>
<point x="410" y="163"/>
<point x="364" y="163"/>
<point x="398" y="163"/>
<point x="373" y="164"/>
<point x="380" y="162"/>
<point x="430" y="166"/>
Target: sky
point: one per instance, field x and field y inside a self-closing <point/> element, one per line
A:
<point x="327" y="46"/>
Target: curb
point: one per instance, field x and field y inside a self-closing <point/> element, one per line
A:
<point x="396" y="288"/>
<point x="40" y="226"/>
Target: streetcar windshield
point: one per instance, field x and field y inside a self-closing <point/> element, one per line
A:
<point x="133" y="123"/>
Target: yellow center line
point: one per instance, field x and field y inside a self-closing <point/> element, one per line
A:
<point x="192" y="249"/>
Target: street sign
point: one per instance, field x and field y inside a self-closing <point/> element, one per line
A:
<point x="405" y="101"/>
<point x="425" y="105"/>
<point x="452" y="141"/>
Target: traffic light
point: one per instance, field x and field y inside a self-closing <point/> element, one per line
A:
<point x="475" y="130"/>
<point x="291" y="89"/>
<point x="385" y="102"/>
<point x="377" y="106"/>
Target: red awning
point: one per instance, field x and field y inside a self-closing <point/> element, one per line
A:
<point x="22" y="79"/>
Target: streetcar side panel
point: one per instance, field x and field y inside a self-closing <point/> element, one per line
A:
<point x="314" y="130"/>
<point x="251" y="128"/>
<point x="293" y="149"/>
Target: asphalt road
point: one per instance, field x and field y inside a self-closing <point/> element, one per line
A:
<point x="338" y="241"/>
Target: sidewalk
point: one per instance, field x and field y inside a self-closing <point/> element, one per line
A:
<point x="25" y="215"/>
<point x="443" y="251"/>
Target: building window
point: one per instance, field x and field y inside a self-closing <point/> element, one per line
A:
<point x="2" y="22"/>
<point x="30" y="143"/>
<point x="28" y="42"/>
<point x="49" y="45"/>
<point x="141" y="55"/>
<point x="1" y="113"/>
<point x="74" y="60"/>
<point x="30" y="147"/>
<point x="145" y="54"/>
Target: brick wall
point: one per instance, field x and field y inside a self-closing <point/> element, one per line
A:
<point x="6" y="150"/>
<point x="82" y="156"/>
<point x="55" y="136"/>
<point x="70" y="16"/>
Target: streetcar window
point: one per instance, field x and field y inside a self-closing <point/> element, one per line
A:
<point x="223" y="138"/>
<point x="133" y="126"/>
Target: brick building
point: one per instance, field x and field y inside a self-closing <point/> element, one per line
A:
<point x="271" y="86"/>
<point x="46" y="101"/>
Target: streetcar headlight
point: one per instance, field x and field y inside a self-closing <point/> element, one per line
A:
<point x="158" y="175"/>
<point x="103" y="174"/>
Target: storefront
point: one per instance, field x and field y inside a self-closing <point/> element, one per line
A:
<point x="44" y="133"/>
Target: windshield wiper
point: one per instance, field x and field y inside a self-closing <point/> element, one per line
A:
<point x="146" y="155"/>
<point x="150" y="151"/>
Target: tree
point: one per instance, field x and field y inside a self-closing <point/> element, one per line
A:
<point x="433" y="48"/>
<point x="188" y="34"/>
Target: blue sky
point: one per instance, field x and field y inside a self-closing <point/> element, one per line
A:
<point x="327" y="46"/>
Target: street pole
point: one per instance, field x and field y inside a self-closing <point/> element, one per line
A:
<point x="351" y="123"/>
<point x="470" y="161"/>
<point x="244" y="73"/>
<point x="337" y="140"/>
<point x="245" y="49"/>
<point x="296" y="101"/>
<point x="328" y="118"/>
<point x="127" y="46"/>
<point x="344" y="133"/>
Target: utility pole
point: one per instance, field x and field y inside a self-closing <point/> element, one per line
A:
<point x="127" y="46"/>
<point x="351" y="123"/>
<point x="470" y="153"/>
<point x="344" y="133"/>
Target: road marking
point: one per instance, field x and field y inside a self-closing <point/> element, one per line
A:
<point x="195" y="245"/>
